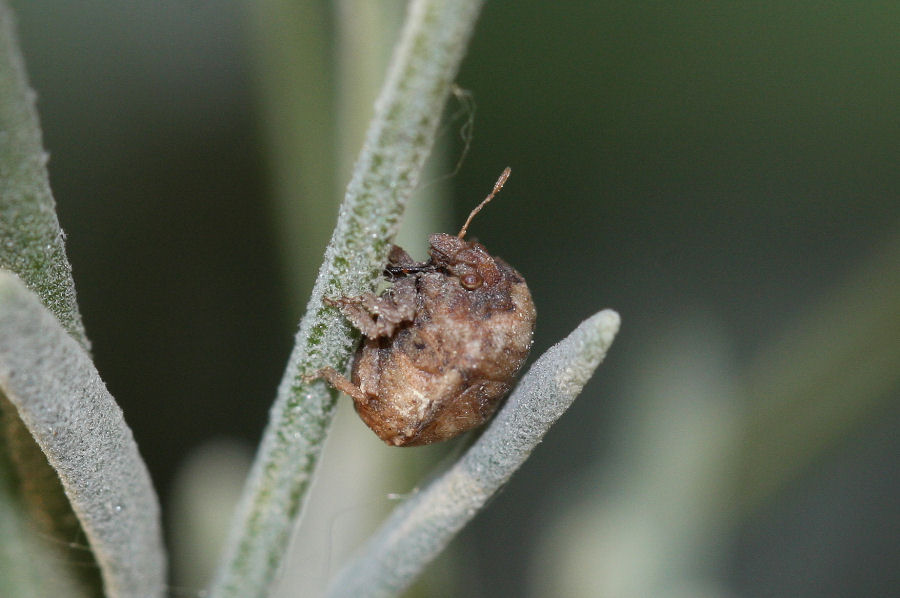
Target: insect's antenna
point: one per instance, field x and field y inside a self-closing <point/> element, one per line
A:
<point x="497" y="186"/>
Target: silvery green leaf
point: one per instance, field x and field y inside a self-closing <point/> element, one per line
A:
<point x="52" y="382"/>
<point x="419" y="529"/>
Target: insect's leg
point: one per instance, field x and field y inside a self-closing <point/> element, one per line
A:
<point x="361" y="311"/>
<point x="340" y="382"/>
<point x="397" y="257"/>
<point x="379" y="316"/>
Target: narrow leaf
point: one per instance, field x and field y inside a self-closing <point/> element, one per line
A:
<point x="419" y="529"/>
<point x="31" y="245"/>
<point x="31" y="241"/>
<point x="53" y="384"/>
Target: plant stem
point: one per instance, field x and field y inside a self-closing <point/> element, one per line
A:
<point x="397" y="143"/>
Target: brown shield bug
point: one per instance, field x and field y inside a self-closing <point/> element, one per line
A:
<point x="442" y="345"/>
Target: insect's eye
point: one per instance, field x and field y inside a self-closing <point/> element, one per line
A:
<point x="471" y="281"/>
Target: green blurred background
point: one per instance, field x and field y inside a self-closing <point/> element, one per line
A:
<point x="725" y="175"/>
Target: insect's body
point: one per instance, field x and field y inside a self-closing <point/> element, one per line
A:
<point x="445" y="370"/>
<point x="442" y="345"/>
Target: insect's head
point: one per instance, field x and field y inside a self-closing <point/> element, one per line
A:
<point x="467" y="260"/>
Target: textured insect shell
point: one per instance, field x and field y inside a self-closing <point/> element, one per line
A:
<point x="448" y="370"/>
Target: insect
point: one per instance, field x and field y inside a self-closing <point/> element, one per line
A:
<point x="442" y="345"/>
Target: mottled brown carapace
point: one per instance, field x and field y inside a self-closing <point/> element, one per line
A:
<point x="442" y="345"/>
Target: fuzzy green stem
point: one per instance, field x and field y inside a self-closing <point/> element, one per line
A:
<point x="398" y="141"/>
